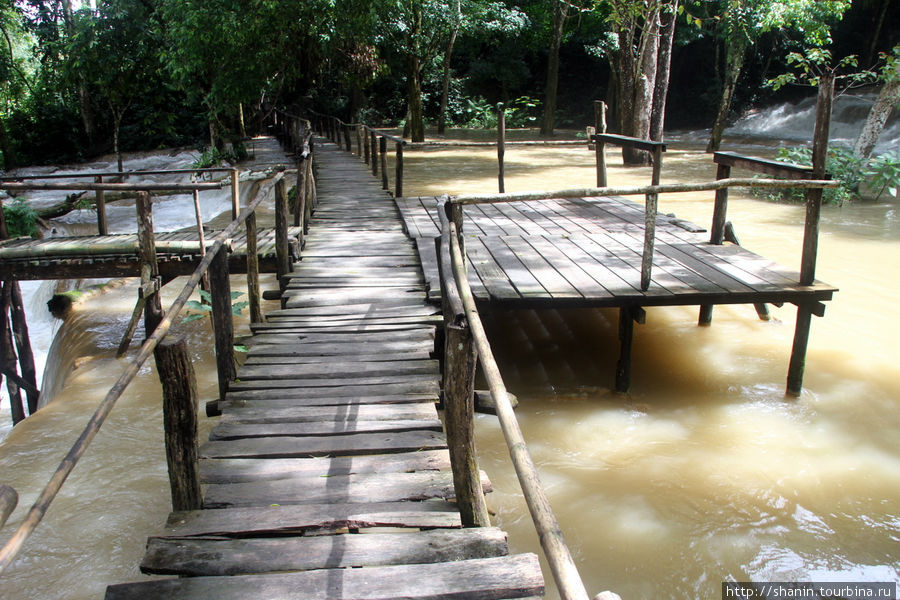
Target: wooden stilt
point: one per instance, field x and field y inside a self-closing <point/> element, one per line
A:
<point x="23" y="346"/>
<point x="628" y="315"/>
<point x="282" y="257"/>
<point x="176" y="373"/>
<point x="153" y="312"/>
<point x="798" y="350"/>
<point x="253" y="293"/>
<point x="223" y="325"/>
<point x="8" y="357"/>
<point x="501" y="146"/>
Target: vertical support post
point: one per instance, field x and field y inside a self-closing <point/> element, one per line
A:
<point x="716" y="231"/>
<point x="300" y="205"/>
<point x="102" y="227"/>
<point x="373" y="142"/>
<point x="180" y="422"/>
<point x="235" y="194"/>
<point x="8" y="357"/>
<point x="600" y="146"/>
<point x="459" y="412"/>
<point x="501" y="146"/>
<point x="310" y="192"/>
<point x="398" y="171"/>
<point x="382" y="150"/>
<point x="282" y="257"/>
<point x="253" y="292"/>
<point x="365" y="150"/>
<point x="650" y="211"/>
<point x="347" y="138"/>
<point x="153" y="312"/>
<point x="23" y="346"/>
<point x="628" y="315"/>
<point x="811" y="233"/>
<point x="223" y="325"/>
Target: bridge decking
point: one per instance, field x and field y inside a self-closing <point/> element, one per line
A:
<point x="330" y="453"/>
<point x="64" y="257"/>
<point x="587" y="252"/>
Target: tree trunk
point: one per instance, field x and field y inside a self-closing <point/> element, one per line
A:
<point x="734" y="59"/>
<point x="887" y="99"/>
<point x="448" y="54"/>
<point x="558" y="26"/>
<point x="215" y="137"/>
<point x="414" y="89"/>
<point x="644" y="86"/>
<point x="663" y="68"/>
<point x="625" y="68"/>
<point x="117" y="124"/>
<point x="9" y="160"/>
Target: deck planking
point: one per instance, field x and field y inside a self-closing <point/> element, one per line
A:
<point x="328" y="474"/>
<point x="586" y="252"/>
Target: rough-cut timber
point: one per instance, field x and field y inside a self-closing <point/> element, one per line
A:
<point x="328" y="474"/>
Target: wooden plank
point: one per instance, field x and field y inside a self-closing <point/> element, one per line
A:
<point x="237" y="470"/>
<point x="337" y="369"/>
<point x="569" y="269"/>
<point x="519" y="275"/>
<point x="423" y="354"/>
<point x="339" y="445"/>
<point x="478" y="579"/>
<point x="371" y="309"/>
<point x="246" y="412"/>
<point x="358" y="488"/>
<point x="309" y="518"/>
<point x="494" y="278"/>
<point x="549" y="278"/>
<point x="325" y="349"/>
<point x="197" y="557"/>
<point x="232" y="431"/>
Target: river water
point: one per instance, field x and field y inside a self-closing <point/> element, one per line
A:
<point x="705" y="472"/>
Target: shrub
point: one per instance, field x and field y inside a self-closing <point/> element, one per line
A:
<point x="21" y="219"/>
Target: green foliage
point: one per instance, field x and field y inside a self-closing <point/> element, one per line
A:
<point x="881" y="173"/>
<point x="212" y="157"/>
<point x="521" y="112"/>
<point x="203" y="307"/>
<point x="21" y="219"/>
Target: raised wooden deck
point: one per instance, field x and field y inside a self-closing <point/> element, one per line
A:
<point x="62" y="258"/>
<point x="586" y="252"/>
<point x="328" y="475"/>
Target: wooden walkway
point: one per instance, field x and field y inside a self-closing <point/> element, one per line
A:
<point x="64" y="257"/>
<point x="328" y="475"/>
<point x="587" y="252"/>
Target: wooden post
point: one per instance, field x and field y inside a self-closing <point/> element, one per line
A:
<point x="346" y="129"/>
<point x="310" y="192"/>
<point x="628" y="315"/>
<point x="373" y="142"/>
<point x="204" y="282"/>
<point x="223" y="325"/>
<point x="501" y="145"/>
<point x="365" y="137"/>
<point x="153" y="312"/>
<point x="9" y="498"/>
<point x="717" y="231"/>
<point x="8" y="357"/>
<point x="300" y="204"/>
<point x="179" y="388"/>
<point x="459" y="413"/>
<point x="235" y="194"/>
<point x="382" y="150"/>
<point x="359" y="139"/>
<point x="282" y="255"/>
<point x="253" y="293"/>
<point x="650" y="223"/>
<point x="398" y="171"/>
<point x="811" y="234"/>
<point x="23" y="346"/>
<point x="102" y="227"/>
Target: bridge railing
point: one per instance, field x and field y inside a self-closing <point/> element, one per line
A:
<point x="173" y="364"/>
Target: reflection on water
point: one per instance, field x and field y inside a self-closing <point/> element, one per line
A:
<point x="704" y="472"/>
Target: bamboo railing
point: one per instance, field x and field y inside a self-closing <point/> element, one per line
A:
<point x="173" y="367"/>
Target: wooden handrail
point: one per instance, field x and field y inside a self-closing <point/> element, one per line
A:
<point x="121" y="187"/>
<point x="39" y="509"/>
<point x="774" y="168"/>
<point x="632" y="142"/>
<point x="562" y="565"/>
<point x="114" y="174"/>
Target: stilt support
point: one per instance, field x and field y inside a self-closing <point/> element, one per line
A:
<point x="801" y="340"/>
<point x="628" y="316"/>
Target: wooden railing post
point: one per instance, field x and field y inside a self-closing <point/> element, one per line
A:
<point x="235" y="194"/>
<point x="374" y="143"/>
<point x="382" y="150"/>
<point x="102" y="227"/>
<point x="398" y="171"/>
<point x="359" y="138"/>
<point x="179" y="386"/>
<point x="300" y="204"/>
<point x="717" y="230"/>
<point x="347" y="137"/>
<point x="282" y="255"/>
<point x="365" y="137"/>
<point x="501" y="146"/>
<point x="223" y="324"/>
<point x="153" y="311"/>
<point x="650" y="222"/>
<point x="599" y="145"/>
<point x="253" y="292"/>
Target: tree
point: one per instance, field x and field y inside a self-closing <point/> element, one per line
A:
<point x="560" y="14"/>
<point x="740" y="24"/>
<point x="888" y="98"/>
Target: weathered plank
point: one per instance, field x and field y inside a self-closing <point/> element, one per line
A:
<point x="232" y="431"/>
<point x="237" y="470"/>
<point x="197" y="557"/>
<point x="496" y="578"/>
<point x="336" y="369"/>
<point x="268" y="412"/>
<point x="341" y="445"/>
<point x="357" y="488"/>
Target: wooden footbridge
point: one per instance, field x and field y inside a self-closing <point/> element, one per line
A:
<point x="331" y="473"/>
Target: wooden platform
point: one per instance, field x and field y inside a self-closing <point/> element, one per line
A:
<point x="60" y="258"/>
<point x="328" y="474"/>
<point x="587" y="252"/>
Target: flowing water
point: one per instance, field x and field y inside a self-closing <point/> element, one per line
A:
<point x="705" y="472"/>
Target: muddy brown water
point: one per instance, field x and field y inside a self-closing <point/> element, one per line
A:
<point x="704" y="472"/>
